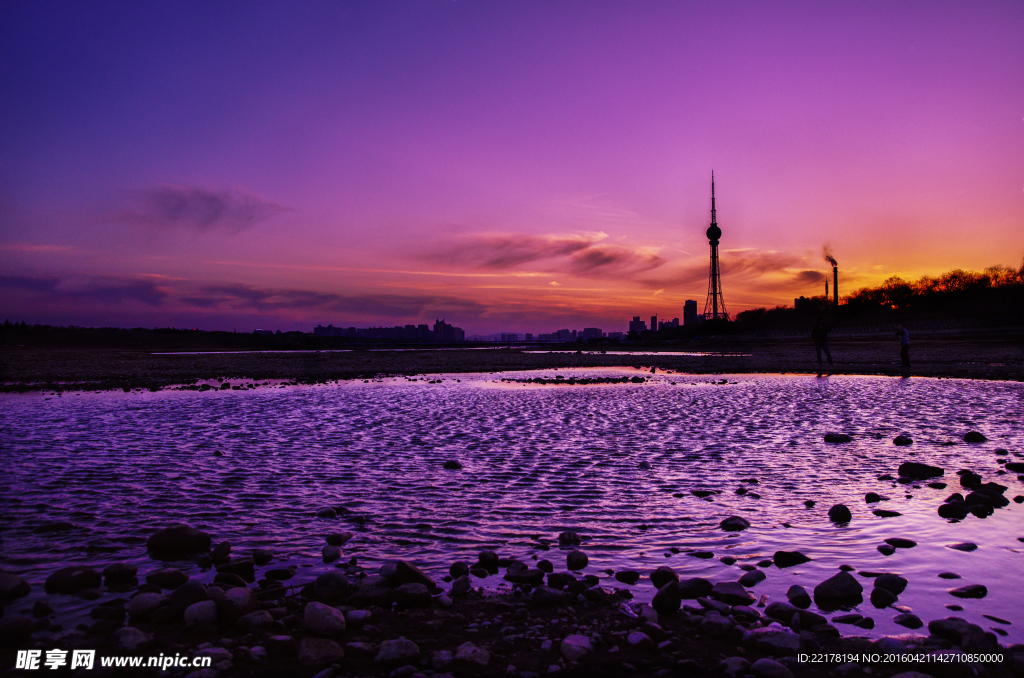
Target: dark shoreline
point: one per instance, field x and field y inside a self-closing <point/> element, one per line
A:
<point x="266" y="630"/>
<point x="98" y="369"/>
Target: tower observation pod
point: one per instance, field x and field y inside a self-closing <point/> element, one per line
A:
<point x="714" y="307"/>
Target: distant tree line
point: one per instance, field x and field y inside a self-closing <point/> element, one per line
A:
<point x="998" y="290"/>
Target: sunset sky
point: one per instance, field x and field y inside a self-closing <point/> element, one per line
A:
<point x="508" y="166"/>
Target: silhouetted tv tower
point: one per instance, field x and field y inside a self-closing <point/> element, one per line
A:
<point x="714" y="307"/>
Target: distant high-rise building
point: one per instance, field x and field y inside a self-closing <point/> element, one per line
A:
<point x="592" y="333"/>
<point x="654" y="323"/>
<point x="637" y="325"/>
<point x="529" y="337"/>
<point x="714" y="307"/>
<point x="689" y="312"/>
<point x="665" y="324"/>
<point x="445" y="332"/>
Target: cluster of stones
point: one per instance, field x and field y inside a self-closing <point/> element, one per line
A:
<point x="583" y="381"/>
<point x="981" y="500"/>
<point x="323" y="625"/>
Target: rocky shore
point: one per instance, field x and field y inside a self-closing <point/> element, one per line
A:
<point x="253" y="617"/>
<point x="38" y="369"/>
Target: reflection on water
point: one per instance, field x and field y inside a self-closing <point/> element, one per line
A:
<point x="538" y="460"/>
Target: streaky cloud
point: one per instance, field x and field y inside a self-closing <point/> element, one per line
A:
<point x="199" y="209"/>
<point x="96" y="288"/>
<point x="581" y="255"/>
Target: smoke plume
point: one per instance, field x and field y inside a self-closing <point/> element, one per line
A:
<point x="826" y="251"/>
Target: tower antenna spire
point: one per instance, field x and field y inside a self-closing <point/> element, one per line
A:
<point x="714" y="307"/>
<point x="714" y="219"/>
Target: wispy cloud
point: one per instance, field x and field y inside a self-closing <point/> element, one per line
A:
<point x="246" y="297"/>
<point x="581" y="255"/>
<point x="35" y="249"/>
<point x="78" y="288"/>
<point x="198" y="209"/>
<point x="739" y="265"/>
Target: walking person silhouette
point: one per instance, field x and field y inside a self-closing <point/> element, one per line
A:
<point x="904" y="336"/>
<point x="820" y="336"/>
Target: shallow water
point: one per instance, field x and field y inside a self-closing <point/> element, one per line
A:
<point x="538" y="460"/>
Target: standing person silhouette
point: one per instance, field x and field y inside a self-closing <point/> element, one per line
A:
<point x="904" y="336"/>
<point x="820" y="335"/>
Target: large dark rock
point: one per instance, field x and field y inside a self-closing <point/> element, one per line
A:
<point x="1015" y="466"/>
<point x="837" y="591"/>
<point x="752" y="578"/>
<point x="837" y="438"/>
<point x="784" y="612"/>
<point x="891" y="582"/>
<point x="901" y="543"/>
<point x="187" y="594"/>
<point x="120" y="573"/>
<point x="960" y="632"/>
<point x="407" y="573"/>
<point x="559" y="580"/>
<point x="789" y="558"/>
<point x="971" y="591"/>
<point x="954" y="510"/>
<point x="367" y="594"/>
<point x="882" y="598"/>
<point x="452" y="465"/>
<point x="974" y="437"/>
<point x="412" y="595"/>
<point x="569" y="538"/>
<point x="331" y="587"/>
<point x="694" y="588"/>
<point x="167" y="578"/>
<point x="576" y="560"/>
<point x="918" y="471"/>
<point x="986" y="498"/>
<point x="911" y="621"/>
<point x="459" y="568"/>
<point x="965" y="546"/>
<point x="338" y="538"/>
<point x="732" y="593"/>
<point x="627" y="576"/>
<point x="734" y="524"/>
<point x="262" y="556"/>
<point x="969" y="479"/>
<point x="12" y="586"/>
<point x="840" y="513"/>
<point x="772" y="641"/>
<point x="177" y="541"/>
<point x="15" y="630"/>
<point x="662" y="576"/>
<point x="534" y="577"/>
<point x="668" y="599"/>
<point x="221" y="552"/>
<point x="543" y="595"/>
<point x="798" y="596"/>
<point x="73" y="579"/>
<point x="243" y="567"/>
<point x="902" y="441"/>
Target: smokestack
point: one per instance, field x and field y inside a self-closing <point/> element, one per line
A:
<point x="835" y="283"/>
<point x="826" y="288"/>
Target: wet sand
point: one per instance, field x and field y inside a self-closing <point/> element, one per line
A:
<point x="88" y="369"/>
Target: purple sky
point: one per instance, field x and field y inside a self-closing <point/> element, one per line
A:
<point x="510" y="166"/>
